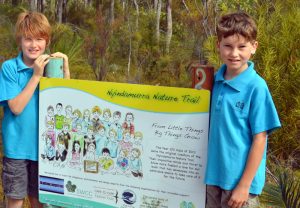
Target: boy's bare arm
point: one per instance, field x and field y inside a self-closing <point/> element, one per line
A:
<point x="241" y="192"/>
<point x="18" y="103"/>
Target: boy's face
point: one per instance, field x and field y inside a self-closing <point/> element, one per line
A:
<point x="32" y="48"/>
<point x="50" y="126"/>
<point x="129" y="118"/>
<point x="78" y="129"/>
<point x="112" y="135"/>
<point x="68" y="111"/>
<point x="235" y="52"/>
<point x="106" y="116"/>
<point x="50" y="112"/>
<point x="116" y="117"/>
<point x="102" y="132"/>
<point x="58" y="108"/>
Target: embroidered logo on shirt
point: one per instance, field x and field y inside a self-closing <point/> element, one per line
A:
<point x="240" y="105"/>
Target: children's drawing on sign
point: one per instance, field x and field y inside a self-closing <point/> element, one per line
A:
<point x="92" y="140"/>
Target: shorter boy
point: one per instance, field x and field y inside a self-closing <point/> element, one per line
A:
<point x="242" y="115"/>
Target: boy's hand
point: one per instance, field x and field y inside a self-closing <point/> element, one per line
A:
<point x="66" y="63"/>
<point x="39" y="65"/>
<point x="239" y="197"/>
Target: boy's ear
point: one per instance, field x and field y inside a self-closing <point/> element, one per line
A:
<point x="254" y="45"/>
<point x="218" y="45"/>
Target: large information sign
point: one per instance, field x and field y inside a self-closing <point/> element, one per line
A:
<point x="105" y="144"/>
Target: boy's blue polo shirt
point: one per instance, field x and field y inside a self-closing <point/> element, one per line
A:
<point x="241" y="107"/>
<point x="19" y="133"/>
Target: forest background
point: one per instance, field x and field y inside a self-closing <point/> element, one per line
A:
<point x="154" y="41"/>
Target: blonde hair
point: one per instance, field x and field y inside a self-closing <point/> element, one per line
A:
<point x="78" y="112"/>
<point x="106" y="110"/>
<point x="96" y="109"/>
<point x="138" y="134"/>
<point x="32" y="24"/>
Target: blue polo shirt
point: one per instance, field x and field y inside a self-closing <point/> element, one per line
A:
<point x="19" y="133"/>
<point x="240" y="108"/>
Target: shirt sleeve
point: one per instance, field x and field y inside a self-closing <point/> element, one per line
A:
<point x="9" y="87"/>
<point x="263" y="114"/>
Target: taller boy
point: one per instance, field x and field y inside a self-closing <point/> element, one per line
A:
<point x="242" y="115"/>
<point x="19" y="79"/>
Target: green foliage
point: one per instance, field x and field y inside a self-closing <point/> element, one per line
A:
<point x="7" y="41"/>
<point x="278" y="62"/>
<point x="283" y="191"/>
<point x="66" y="39"/>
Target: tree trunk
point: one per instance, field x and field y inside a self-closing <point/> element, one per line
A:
<point x="130" y="46"/>
<point x="158" y="21"/>
<point x="112" y="11"/>
<point x="14" y="2"/>
<point x="186" y="7"/>
<point x="33" y="5"/>
<point x="59" y="11"/>
<point x="64" y="11"/>
<point x="169" y="26"/>
<point x="40" y="6"/>
<point x="155" y="5"/>
<point x="123" y="5"/>
<point x="137" y="15"/>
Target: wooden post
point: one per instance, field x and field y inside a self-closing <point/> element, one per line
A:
<point x="202" y="75"/>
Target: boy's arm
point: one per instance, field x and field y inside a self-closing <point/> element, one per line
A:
<point x="18" y="103"/>
<point x="241" y="192"/>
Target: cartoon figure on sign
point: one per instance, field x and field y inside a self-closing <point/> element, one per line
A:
<point x="105" y="161"/>
<point x="106" y="118"/>
<point x="50" y="114"/>
<point x="137" y="140"/>
<point x="96" y="122"/>
<point x="116" y="125"/>
<point x="122" y="162"/>
<point x="68" y="117"/>
<point x="59" y="118"/>
<point x="75" y="161"/>
<point x="76" y="119"/>
<point x="91" y="152"/>
<point x="86" y="122"/>
<point x="77" y="135"/>
<point x="61" y="152"/>
<point x="125" y="143"/>
<point x="101" y="140"/>
<point x="128" y="123"/>
<point x="112" y="143"/>
<point x="49" y="151"/>
<point x="88" y="139"/>
<point x="135" y="163"/>
<point x="65" y="135"/>
<point x="50" y="132"/>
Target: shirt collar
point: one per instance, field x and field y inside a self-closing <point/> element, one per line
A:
<point x="240" y="81"/>
<point x="20" y="64"/>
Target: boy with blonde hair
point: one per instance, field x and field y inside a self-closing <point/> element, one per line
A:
<point x="19" y="79"/>
<point x="242" y="116"/>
